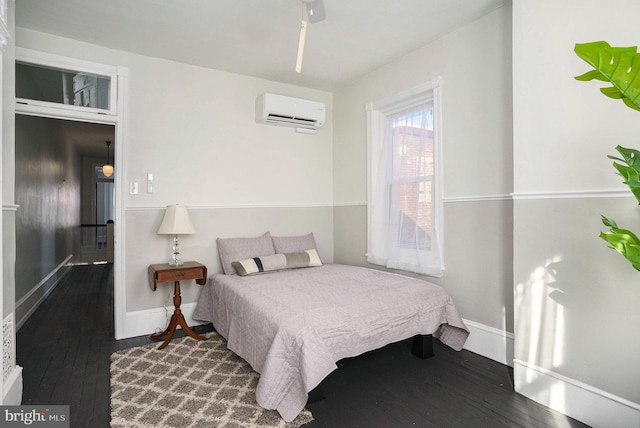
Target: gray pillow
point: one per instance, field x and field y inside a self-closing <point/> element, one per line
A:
<point x="233" y="249"/>
<point x="273" y="262"/>
<point x="294" y="244"/>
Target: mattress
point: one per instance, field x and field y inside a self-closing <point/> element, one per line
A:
<point x="292" y="326"/>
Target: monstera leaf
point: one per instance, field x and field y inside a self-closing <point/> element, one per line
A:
<point x="619" y="66"/>
<point x="631" y="171"/>
<point x="623" y="241"/>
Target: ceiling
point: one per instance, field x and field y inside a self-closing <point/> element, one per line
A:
<point x="88" y="139"/>
<point x="258" y="37"/>
<point x="251" y="37"/>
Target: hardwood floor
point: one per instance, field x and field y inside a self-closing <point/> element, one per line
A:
<point x="64" y="349"/>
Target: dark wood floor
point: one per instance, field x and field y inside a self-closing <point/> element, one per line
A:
<point x="65" y="346"/>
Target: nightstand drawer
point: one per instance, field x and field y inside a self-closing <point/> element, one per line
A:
<point x="169" y="273"/>
<point x="180" y="275"/>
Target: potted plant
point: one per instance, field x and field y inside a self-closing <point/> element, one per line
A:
<point x="619" y="66"/>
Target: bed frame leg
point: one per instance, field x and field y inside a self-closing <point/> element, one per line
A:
<point x="422" y="346"/>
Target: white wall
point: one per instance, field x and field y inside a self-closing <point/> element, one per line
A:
<point x="11" y="382"/>
<point x="475" y="65"/>
<point x="194" y="129"/>
<point x="576" y="301"/>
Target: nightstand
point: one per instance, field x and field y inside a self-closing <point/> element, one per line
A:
<point x="171" y="273"/>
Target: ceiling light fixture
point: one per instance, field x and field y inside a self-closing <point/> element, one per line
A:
<point x="312" y="12"/>
<point x="303" y="35"/>
<point x="107" y="168"/>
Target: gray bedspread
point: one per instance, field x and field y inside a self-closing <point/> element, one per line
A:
<point x="292" y="326"/>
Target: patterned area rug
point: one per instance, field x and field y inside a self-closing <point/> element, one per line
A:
<point x="188" y="384"/>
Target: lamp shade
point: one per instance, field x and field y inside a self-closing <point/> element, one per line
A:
<point x="176" y="221"/>
<point x="107" y="170"/>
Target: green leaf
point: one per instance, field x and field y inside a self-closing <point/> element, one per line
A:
<point x="630" y="156"/>
<point x="623" y="241"/>
<point x="609" y="222"/>
<point x="591" y="75"/>
<point x="626" y="243"/>
<point x="630" y="104"/>
<point x="612" y="93"/>
<point x="631" y="171"/>
<point x="618" y="65"/>
<point x="626" y="172"/>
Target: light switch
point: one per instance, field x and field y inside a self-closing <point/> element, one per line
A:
<point x="149" y="183"/>
<point x="133" y="187"/>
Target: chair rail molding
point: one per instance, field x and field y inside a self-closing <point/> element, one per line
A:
<point x="569" y="194"/>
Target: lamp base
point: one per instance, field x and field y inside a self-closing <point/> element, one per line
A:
<point x="175" y="257"/>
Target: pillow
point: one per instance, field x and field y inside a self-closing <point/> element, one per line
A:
<point x="231" y="249"/>
<point x="273" y="262"/>
<point x="293" y="244"/>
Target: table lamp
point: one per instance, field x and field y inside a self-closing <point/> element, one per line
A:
<point x="176" y="222"/>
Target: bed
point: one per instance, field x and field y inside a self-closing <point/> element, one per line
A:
<point x="292" y="324"/>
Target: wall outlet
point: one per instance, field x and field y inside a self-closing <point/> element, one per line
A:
<point x="133" y="188"/>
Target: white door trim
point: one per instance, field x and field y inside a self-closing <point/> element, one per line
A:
<point x="119" y="121"/>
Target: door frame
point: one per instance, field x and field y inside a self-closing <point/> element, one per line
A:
<point x="118" y="120"/>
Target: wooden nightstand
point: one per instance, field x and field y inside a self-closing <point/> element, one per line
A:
<point x="170" y="273"/>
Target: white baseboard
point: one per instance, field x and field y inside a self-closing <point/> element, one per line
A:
<point x="580" y="401"/>
<point x="142" y="323"/>
<point x="12" y="387"/>
<point x="45" y="285"/>
<point x="490" y="342"/>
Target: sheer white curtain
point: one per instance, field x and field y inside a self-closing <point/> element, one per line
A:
<point x="404" y="201"/>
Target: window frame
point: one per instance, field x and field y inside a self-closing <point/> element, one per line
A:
<point x="377" y="113"/>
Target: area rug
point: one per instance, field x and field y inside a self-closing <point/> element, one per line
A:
<point x="189" y="383"/>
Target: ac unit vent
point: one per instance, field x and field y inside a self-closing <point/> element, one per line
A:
<point x="288" y="111"/>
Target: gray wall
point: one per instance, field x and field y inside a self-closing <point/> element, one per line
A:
<point x="144" y="246"/>
<point x="542" y="136"/>
<point x="48" y="193"/>
<point x="475" y="65"/>
<point x="576" y="301"/>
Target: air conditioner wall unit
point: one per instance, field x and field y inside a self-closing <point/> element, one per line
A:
<point x="304" y="115"/>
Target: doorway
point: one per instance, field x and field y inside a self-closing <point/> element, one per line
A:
<point x="56" y="188"/>
<point x="98" y="205"/>
<point x="99" y="98"/>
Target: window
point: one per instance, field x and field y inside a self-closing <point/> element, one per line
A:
<point x="44" y="80"/>
<point x="404" y="230"/>
<point x="52" y="85"/>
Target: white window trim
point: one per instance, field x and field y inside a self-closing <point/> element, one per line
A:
<point x="376" y="113"/>
<point x="29" y="56"/>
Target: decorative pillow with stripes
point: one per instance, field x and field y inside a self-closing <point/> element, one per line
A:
<point x="273" y="262"/>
